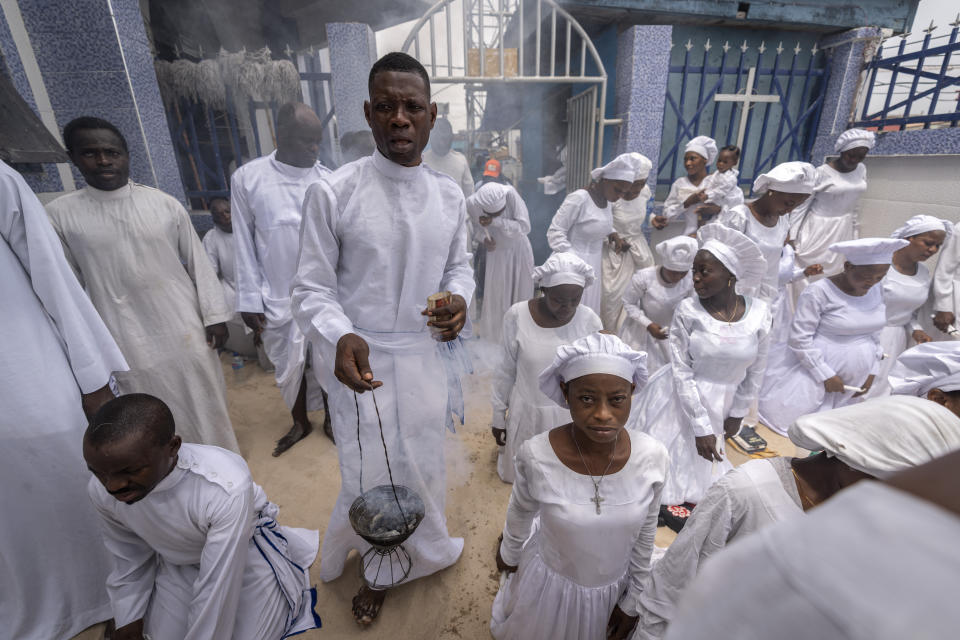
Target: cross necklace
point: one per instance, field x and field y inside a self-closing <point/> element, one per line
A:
<point x="596" y="499"/>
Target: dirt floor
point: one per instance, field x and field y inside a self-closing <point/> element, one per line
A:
<point x="454" y="604"/>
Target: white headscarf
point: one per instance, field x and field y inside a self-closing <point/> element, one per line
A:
<point x="932" y="365"/>
<point x="642" y="166"/>
<point x="738" y="253"/>
<point x="677" y="253"/>
<point x="703" y="146"/>
<point x="623" y="167"/>
<point x="881" y="436"/>
<point x="868" y="250"/>
<point x="922" y="224"/>
<point x="787" y="177"/>
<point x="491" y="197"/>
<point x="595" y="353"/>
<point x="563" y="268"/>
<point x="853" y="138"/>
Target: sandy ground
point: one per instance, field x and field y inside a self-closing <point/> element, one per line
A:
<point x="454" y="604"/>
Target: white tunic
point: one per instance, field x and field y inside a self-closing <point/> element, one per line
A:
<point x="143" y="266"/>
<point x="509" y="269"/>
<point x="580" y="226"/>
<point x="769" y="239"/>
<point x="526" y="350"/>
<point x="455" y="165"/>
<point x="220" y="249"/>
<point x="650" y="299"/>
<point x="903" y="297"/>
<point x="752" y="496"/>
<point x="378" y="238"/>
<point x="715" y="372"/>
<point x="578" y="564"/>
<point x="202" y="557"/>
<point x="618" y="268"/>
<point x="832" y="334"/>
<point x="723" y="189"/>
<point x="266" y="197"/>
<point x="946" y="274"/>
<point x="55" y="347"/>
<point x="673" y="207"/>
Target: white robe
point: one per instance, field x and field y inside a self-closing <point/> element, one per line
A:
<point x="673" y="208"/>
<point x="577" y="564"/>
<point x="723" y="189"/>
<point x="752" y="496"/>
<point x="769" y="239"/>
<point x="201" y="557"/>
<point x="832" y="334"/>
<point x="649" y="299"/>
<point x="714" y="373"/>
<point x="526" y="350"/>
<point x="266" y="197"/>
<point x="945" y="276"/>
<point x="509" y="268"/>
<point x="55" y="347"/>
<point x="219" y="247"/>
<point x="852" y="569"/>
<point x="378" y="238"/>
<point x="455" y="165"/>
<point x="581" y="227"/>
<point x="137" y="254"/>
<point x="618" y="268"/>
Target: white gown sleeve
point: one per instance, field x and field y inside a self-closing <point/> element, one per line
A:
<point x="806" y="319"/>
<point x="681" y="365"/>
<point x="672" y="206"/>
<point x="466" y="179"/>
<point x="211" y="248"/>
<point x="563" y="220"/>
<point x="521" y="510"/>
<point x="213" y="306"/>
<point x="633" y="300"/>
<point x="133" y="572"/>
<point x="505" y="375"/>
<point x="458" y="271"/>
<point x="734" y="218"/>
<point x="249" y="284"/>
<point x="749" y="387"/>
<point x="519" y="222"/>
<point x="640" y="556"/>
<point x="946" y="272"/>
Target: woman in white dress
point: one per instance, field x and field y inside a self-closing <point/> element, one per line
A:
<point x="501" y="223"/>
<point x="585" y="220"/>
<point x="653" y="295"/>
<point x="688" y="193"/>
<point x="834" y="344"/>
<point x="629" y="214"/>
<point x="532" y="331"/>
<point x="830" y="215"/>
<point x="595" y="487"/>
<point x="905" y="289"/>
<point x="718" y="347"/>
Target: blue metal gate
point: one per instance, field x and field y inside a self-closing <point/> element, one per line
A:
<point x="781" y="90"/>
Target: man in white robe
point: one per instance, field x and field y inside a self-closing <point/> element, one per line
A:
<point x="137" y="254"/>
<point x="443" y="158"/>
<point x="266" y="196"/>
<point x="379" y="236"/>
<point x="196" y="550"/>
<point x="944" y="285"/>
<point x="55" y="365"/>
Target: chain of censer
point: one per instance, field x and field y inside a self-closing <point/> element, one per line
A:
<point x="356" y="402"/>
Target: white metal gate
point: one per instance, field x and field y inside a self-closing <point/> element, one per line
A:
<point x="581" y="132"/>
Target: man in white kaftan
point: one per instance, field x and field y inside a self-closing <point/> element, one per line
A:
<point x="441" y="157"/>
<point x="138" y="256"/>
<point x="56" y="361"/>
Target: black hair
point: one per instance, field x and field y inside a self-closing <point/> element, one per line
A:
<point x="85" y="123"/>
<point x="137" y="414"/>
<point x="732" y="148"/>
<point x="398" y="61"/>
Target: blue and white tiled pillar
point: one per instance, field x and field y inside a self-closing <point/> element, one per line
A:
<point x="353" y="50"/>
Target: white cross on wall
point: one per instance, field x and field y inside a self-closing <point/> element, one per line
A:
<point x="746" y="100"/>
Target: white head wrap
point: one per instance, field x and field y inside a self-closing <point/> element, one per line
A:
<point x="642" y="166"/>
<point x="623" y="167"/>
<point x="563" y="268"/>
<point x="882" y="436"/>
<point x="594" y="353"/>
<point x="491" y="197"/>
<point x="922" y="224"/>
<point x="677" y="253"/>
<point x="787" y="177"/>
<point x="853" y="138"/>
<point x="738" y="253"/>
<point x="933" y="365"/>
<point x="868" y="250"/>
<point x="704" y="146"/>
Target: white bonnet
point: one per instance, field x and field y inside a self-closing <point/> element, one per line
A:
<point x="932" y="365"/>
<point x="853" y="138"/>
<point x="594" y="353"/>
<point x="738" y="253"/>
<point x="677" y="253"/>
<point x="491" y="197"/>
<point x="868" y="250"/>
<point x="563" y="268"/>
<point x="623" y="167"/>
<point x="922" y="224"/>
<point x="787" y="177"/>
<point x="705" y="146"/>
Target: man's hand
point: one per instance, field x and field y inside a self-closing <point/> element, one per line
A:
<point x="217" y="335"/>
<point x="352" y="365"/>
<point x="490" y="244"/>
<point x="501" y="565"/>
<point x="943" y="320"/>
<point x="620" y="624"/>
<point x="866" y="386"/>
<point x="699" y="196"/>
<point x="92" y="401"/>
<point x="707" y="448"/>
<point x="656" y="331"/>
<point x="485" y="221"/>
<point x="132" y="631"/>
<point x="813" y="270"/>
<point x="920" y="336"/>
<point x="619" y="244"/>
<point x="706" y="213"/>
<point x="833" y="385"/>
<point x="500" y="435"/>
<point x="257" y="322"/>
<point x="449" y="319"/>
<point x="731" y="426"/>
<point x="659" y="222"/>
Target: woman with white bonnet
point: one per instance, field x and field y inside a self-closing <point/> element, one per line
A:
<point x="833" y="352"/>
<point x="585" y="220"/>
<point x="930" y="370"/>
<point x="688" y="192"/>
<point x="830" y="214"/>
<point x="652" y="297"/>
<point x="532" y="331"/>
<point x="906" y="288"/>
<point x="629" y="214"/>
<point x="718" y="347"/>
<point x="501" y="223"/>
<point x="595" y="487"/>
<point x="944" y="284"/>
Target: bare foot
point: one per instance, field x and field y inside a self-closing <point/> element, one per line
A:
<point x="366" y="605"/>
<point x="297" y="432"/>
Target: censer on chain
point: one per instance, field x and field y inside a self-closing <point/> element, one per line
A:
<point x="385" y="516"/>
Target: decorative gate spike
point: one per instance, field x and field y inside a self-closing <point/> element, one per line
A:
<point x="780" y="48"/>
<point x="744" y="46"/>
<point x="813" y="51"/>
<point x="797" y="49"/>
<point x="707" y="46"/>
<point x="931" y="28"/>
<point x="689" y="45"/>
<point x="762" y="47"/>
<point x="956" y="22"/>
<point x="726" y="45"/>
